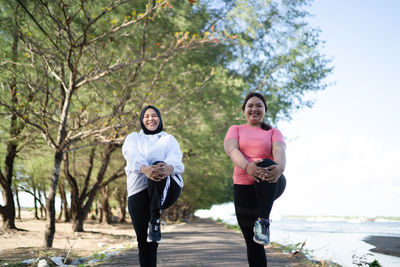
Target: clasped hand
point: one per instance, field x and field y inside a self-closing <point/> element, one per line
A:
<point x="157" y="172"/>
<point x="269" y="174"/>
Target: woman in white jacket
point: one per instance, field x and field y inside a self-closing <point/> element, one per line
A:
<point x="154" y="182"/>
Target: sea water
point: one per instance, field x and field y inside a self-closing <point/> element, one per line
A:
<point x="338" y="239"/>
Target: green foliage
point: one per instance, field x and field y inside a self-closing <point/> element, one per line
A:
<point x="15" y="264"/>
<point x="276" y="51"/>
<point x="230" y="226"/>
<point x="298" y="248"/>
<point x="365" y="260"/>
<point x="375" y="263"/>
<point x="99" y="256"/>
<point x="270" y="49"/>
<point x="205" y="120"/>
<point x="194" y="62"/>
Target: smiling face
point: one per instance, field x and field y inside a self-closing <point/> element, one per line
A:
<point x="151" y="119"/>
<point x="254" y="111"/>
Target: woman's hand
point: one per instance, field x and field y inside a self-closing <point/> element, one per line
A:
<point x="273" y="173"/>
<point x="157" y="172"/>
<point x="253" y="170"/>
<point x="165" y="170"/>
<point x="269" y="174"/>
<point x="151" y="172"/>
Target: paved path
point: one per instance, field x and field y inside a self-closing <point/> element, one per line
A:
<point x="202" y="243"/>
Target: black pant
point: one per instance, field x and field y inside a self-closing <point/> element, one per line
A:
<point x="139" y="209"/>
<point x="249" y="203"/>
<point x="267" y="192"/>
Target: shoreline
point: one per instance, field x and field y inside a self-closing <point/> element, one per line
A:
<point x="295" y="250"/>
<point x="388" y="245"/>
<point x="325" y="230"/>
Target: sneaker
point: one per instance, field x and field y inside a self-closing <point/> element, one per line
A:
<point x="154" y="232"/>
<point x="261" y="231"/>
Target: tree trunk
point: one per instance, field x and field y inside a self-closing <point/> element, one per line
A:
<point x="64" y="203"/>
<point x="50" y="203"/>
<point x="97" y="208"/>
<point x="8" y="210"/>
<point x="43" y="216"/>
<point x="79" y="208"/>
<point x="61" y="212"/>
<point x="122" y="206"/>
<point x="18" y="203"/>
<point x="106" y="209"/>
<point x="43" y="211"/>
<point x="100" y="217"/>
<point x="35" y="201"/>
<point x="62" y="133"/>
<point x="77" y="212"/>
<point x="78" y="221"/>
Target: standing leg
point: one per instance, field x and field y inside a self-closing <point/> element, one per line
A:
<point x="246" y="213"/>
<point x="139" y="210"/>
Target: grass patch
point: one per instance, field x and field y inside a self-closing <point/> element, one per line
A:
<point x="15" y="264"/>
<point x="298" y="250"/>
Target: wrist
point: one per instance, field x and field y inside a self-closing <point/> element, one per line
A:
<point x="280" y="168"/>
<point x="171" y="169"/>
<point x="141" y="168"/>
<point x="245" y="167"/>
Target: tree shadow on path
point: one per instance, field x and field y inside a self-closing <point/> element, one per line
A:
<point x="201" y="243"/>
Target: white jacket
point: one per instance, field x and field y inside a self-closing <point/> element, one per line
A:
<point x="142" y="149"/>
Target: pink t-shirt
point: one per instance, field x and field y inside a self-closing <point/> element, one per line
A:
<point x="254" y="143"/>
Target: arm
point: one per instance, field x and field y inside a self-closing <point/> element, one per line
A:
<point x="132" y="154"/>
<point x="136" y="162"/>
<point x="275" y="171"/>
<point x="231" y="147"/>
<point x="172" y="164"/>
<point x="173" y="158"/>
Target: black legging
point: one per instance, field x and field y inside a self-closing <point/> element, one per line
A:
<point x="139" y="210"/>
<point x="266" y="192"/>
<point x="247" y="203"/>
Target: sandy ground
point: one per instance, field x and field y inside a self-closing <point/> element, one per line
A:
<point x="17" y="245"/>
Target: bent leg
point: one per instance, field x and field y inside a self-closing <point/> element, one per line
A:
<point x="155" y="191"/>
<point x="171" y="194"/>
<point x="267" y="193"/>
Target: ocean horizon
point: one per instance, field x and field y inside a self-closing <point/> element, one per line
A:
<point x="334" y="238"/>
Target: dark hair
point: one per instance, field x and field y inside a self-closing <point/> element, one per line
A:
<point x="160" y="125"/>
<point x="264" y="126"/>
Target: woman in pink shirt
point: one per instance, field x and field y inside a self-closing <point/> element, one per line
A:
<point x="258" y="152"/>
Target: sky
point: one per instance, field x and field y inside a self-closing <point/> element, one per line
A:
<point x="343" y="154"/>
